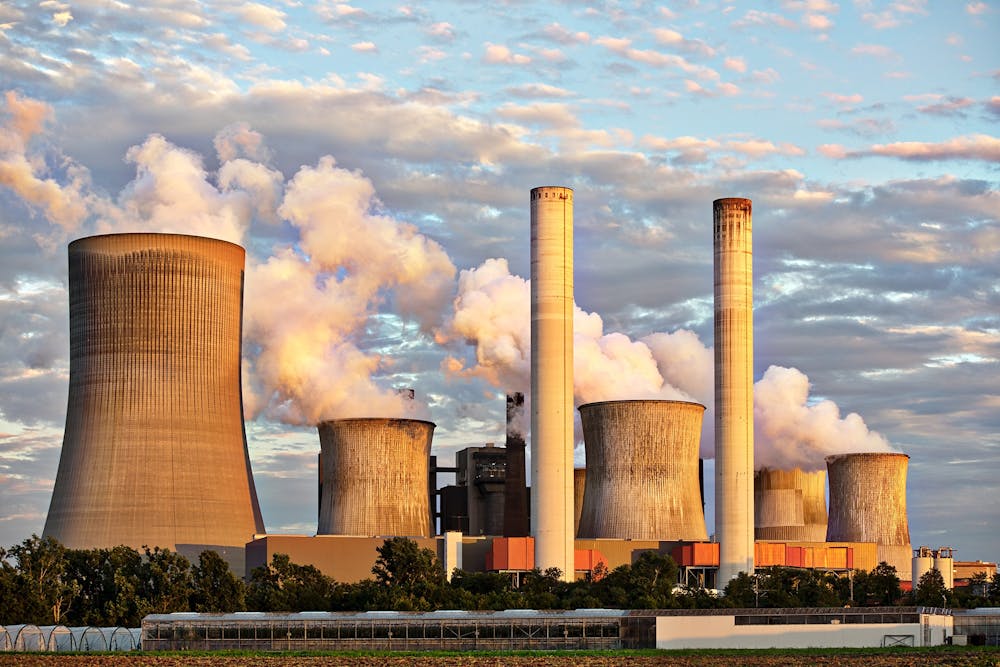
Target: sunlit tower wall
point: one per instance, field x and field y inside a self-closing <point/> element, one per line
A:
<point x="733" y="263"/>
<point x="154" y="452"/>
<point x="375" y="477"/>
<point x="642" y="470"/>
<point x="790" y="505"/>
<point x="552" y="378"/>
<point x="868" y="504"/>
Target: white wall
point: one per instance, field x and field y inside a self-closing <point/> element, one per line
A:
<point x="677" y="632"/>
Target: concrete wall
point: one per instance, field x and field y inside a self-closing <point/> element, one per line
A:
<point x="694" y="632"/>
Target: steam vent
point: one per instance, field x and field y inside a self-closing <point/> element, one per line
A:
<point x="375" y="477"/>
<point x="733" y="267"/>
<point x="868" y="504"/>
<point x="642" y="471"/>
<point x="790" y="505"/>
<point x="154" y="451"/>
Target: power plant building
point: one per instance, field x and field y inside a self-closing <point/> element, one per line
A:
<point x="733" y="270"/>
<point x="790" y="505"/>
<point x="154" y="452"/>
<point x="552" y="378"/>
<point x="375" y="477"/>
<point x="868" y="504"/>
<point x="642" y="471"/>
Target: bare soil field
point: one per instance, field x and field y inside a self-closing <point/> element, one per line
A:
<point x="956" y="658"/>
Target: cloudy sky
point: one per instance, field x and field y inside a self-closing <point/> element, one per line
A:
<point x="375" y="160"/>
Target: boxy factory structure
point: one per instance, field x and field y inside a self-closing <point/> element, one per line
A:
<point x="154" y="379"/>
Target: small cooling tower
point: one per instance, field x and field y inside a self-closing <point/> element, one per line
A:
<point x="790" y="505"/>
<point x="375" y="477"/>
<point x="868" y="504"/>
<point x="642" y="470"/>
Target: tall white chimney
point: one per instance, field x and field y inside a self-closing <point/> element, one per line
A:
<point x="552" y="378"/>
<point x="734" y="514"/>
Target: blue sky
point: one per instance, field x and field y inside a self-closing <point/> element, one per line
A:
<point x="864" y="132"/>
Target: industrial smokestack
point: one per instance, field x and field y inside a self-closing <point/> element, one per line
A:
<point x="552" y="378"/>
<point x="732" y="226"/>
<point x="515" y="490"/>
<point x="375" y="477"/>
<point x="868" y="504"/>
<point x="154" y="451"/>
<point x="642" y="470"/>
<point x="790" y="505"/>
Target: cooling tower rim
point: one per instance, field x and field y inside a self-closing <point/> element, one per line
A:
<point x="374" y="420"/>
<point x="640" y="401"/>
<point x="804" y="471"/>
<point x="834" y="458"/>
<point x="551" y="187"/>
<point x="83" y="240"/>
<point x="731" y="200"/>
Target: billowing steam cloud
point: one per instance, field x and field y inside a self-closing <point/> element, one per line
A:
<point x="335" y="262"/>
<point x="788" y="432"/>
<point x="492" y="313"/>
<point x="334" y="265"/>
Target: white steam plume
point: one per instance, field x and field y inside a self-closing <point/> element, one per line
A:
<point x="789" y="433"/>
<point x="338" y="263"/>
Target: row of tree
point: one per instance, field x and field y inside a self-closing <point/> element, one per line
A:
<point x="43" y="582"/>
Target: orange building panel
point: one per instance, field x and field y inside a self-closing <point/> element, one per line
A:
<point x="511" y="553"/>
<point x="696" y="554"/>
<point x="588" y="559"/>
<point x="767" y="554"/>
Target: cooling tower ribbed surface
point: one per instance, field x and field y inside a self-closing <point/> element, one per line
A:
<point x="154" y="451"/>
<point x="375" y="477"/>
<point x="790" y="505"/>
<point x="579" y="486"/>
<point x="868" y="504"/>
<point x="642" y="470"/>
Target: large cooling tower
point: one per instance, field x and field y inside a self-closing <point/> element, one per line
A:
<point x="642" y="471"/>
<point x="375" y="477"/>
<point x="552" y="378"/>
<point x="154" y="451"/>
<point x="733" y="266"/>
<point x="790" y="505"/>
<point x="868" y="504"/>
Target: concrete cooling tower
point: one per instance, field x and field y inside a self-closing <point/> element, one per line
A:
<point x="375" y="477"/>
<point x="868" y="504"/>
<point x="642" y="470"/>
<point x="154" y="451"/>
<point x="790" y="505"/>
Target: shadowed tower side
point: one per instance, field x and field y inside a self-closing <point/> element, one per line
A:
<point x="734" y="513"/>
<point x="154" y="451"/>
<point x="552" y="378"/>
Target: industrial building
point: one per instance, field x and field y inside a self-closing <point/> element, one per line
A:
<point x="155" y="357"/>
<point x="154" y="451"/>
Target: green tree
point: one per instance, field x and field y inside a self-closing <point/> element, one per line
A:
<point x="646" y="584"/>
<point x="215" y="587"/>
<point x="410" y="578"/>
<point x="165" y="585"/>
<point x="39" y="582"/>
<point x="109" y="582"/>
<point x="931" y="591"/>
<point x="741" y="591"/>
<point x="286" y="586"/>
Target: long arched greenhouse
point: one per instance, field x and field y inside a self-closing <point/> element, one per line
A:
<point x="395" y="630"/>
<point x="60" y="638"/>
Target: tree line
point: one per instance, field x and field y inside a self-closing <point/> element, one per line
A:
<point x="43" y="582"/>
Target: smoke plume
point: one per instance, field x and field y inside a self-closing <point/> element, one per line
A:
<point x="789" y="432"/>
<point x="334" y="264"/>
